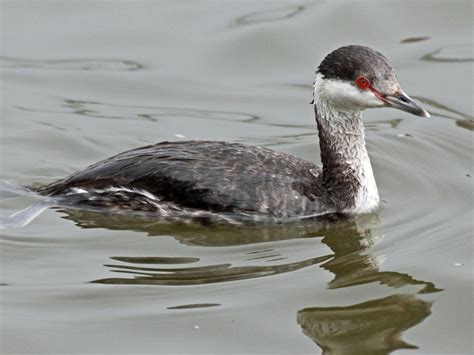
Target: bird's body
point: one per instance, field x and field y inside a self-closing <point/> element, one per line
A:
<point x="200" y="175"/>
<point x="219" y="177"/>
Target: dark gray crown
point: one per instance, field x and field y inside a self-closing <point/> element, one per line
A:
<point x="348" y="62"/>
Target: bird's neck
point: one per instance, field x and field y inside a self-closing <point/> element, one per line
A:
<point x="347" y="172"/>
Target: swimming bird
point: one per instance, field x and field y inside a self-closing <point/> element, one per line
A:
<point x="192" y="177"/>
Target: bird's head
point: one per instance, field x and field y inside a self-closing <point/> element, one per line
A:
<point x="353" y="78"/>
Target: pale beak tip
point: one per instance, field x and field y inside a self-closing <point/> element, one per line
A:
<point x="425" y="114"/>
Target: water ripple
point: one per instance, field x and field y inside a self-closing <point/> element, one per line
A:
<point x="71" y="64"/>
<point x="270" y="15"/>
<point x="155" y="260"/>
<point x="195" y="305"/>
<point x="463" y="120"/>
<point x="450" y="54"/>
<point x="149" y="113"/>
<point x="415" y="39"/>
<point x="201" y="275"/>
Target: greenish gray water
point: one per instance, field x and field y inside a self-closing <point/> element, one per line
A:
<point x="81" y="81"/>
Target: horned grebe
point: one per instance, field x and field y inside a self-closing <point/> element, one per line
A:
<point x="219" y="177"/>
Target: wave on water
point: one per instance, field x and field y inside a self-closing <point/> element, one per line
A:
<point x="71" y="64"/>
<point x="271" y="15"/>
<point x="450" y="54"/>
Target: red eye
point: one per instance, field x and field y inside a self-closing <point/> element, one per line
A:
<point x="362" y="83"/>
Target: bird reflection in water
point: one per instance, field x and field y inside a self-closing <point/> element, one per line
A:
<point x="369" y="328"/>
<point x="372" y="327"/>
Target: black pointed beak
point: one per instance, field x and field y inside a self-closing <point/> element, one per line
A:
<point x="402" y="101"/>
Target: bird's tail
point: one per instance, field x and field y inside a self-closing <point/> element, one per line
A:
<point x="25" y="216"/>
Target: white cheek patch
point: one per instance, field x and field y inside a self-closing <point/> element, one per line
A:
<point x="343" y="95"/>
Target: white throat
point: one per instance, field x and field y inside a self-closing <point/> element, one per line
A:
<point x="347" y="171"/>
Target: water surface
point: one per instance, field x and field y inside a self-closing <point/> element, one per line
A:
<point x="82" y="81"/>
